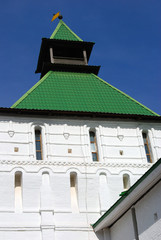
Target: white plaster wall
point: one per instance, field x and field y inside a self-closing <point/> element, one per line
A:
<point x="18" y="220"/>
<point x="123" y="228"/>
<point x="54" y="200"/>
<point x="19" y="235"/>
<point x="31" y="191"/>
<point x="61" y="193"/>
<point x="113" y="138"/>
<point x="148" y="226"/>
<point x="6" y="191"/>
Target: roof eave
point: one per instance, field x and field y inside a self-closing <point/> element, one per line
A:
<point x="42" y="112"/>
<point x="69" y="68"/>
<point x="146" y="182"/>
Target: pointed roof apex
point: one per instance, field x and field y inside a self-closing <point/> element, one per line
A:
<point x="63" y="32"/>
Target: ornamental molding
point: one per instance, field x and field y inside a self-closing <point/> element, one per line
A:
<point x="11" y="133"/>
<point x="119" y="133"/>
<point x="66" y="135"/>
<point x="120" y="137"/>
<point x="81" y="164"/>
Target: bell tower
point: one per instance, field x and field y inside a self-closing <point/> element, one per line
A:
<point x="66" y="52"/>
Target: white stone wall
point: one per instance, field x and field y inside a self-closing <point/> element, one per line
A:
<point x="148" y="217"/>
<point x="123" y="228"/>
<point x="46" y="197"/>
<point x="148" y="214"/>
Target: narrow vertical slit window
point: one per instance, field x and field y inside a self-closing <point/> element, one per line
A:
<point x="18" y="192"/>
<point x="73" y="192"/>
<point x="126" y="181"/>
<point x="45" y="179"/>
<point x="147" y="147"/>
<point x="93" y="145"/>
<point x="38" y="144"/>
<point x="103" y="192"/>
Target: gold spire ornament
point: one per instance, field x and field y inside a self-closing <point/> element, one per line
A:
<point x="57" y="15"/>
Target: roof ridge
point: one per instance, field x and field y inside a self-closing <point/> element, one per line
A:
<point x="126" y="95"/>
<point x="58" y="27"/>
<point x="71" y="31"/>
<point x="31" y="89"/>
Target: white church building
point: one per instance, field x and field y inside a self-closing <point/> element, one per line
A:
<point x="70" y="146"/>
<point x="137" y="214"/>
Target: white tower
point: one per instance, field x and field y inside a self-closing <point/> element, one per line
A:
<point x="70" y="146"/>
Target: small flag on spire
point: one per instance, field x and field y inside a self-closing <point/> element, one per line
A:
<point x="55" y="16"/>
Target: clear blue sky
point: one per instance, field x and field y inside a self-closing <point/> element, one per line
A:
<point x="127" y="34"/>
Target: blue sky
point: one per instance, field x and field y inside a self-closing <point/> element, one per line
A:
<point x="126" y="32"/>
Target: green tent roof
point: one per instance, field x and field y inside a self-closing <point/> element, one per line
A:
<point x="63" y="32"/>
<point x="86" y="92"/>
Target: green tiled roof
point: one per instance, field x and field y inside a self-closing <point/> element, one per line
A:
<point x="84" y="92"/>
<point x="63" y="32"/>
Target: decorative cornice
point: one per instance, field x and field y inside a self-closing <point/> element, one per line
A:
<point x="82" y="164"/>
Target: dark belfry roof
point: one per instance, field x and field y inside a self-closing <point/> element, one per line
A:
<point x="47" y="43"/>
<point x="75" y="88"/>
<point x="69" y="68"/>
<point x="62" y="37"/>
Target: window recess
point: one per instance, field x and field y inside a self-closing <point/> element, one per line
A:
<point x="147" y="147"/>
<point x="74" y="192"/>
<point x="126" y="182"/>
<point x="93" y="145"/>
<point x="18" y="192"/>
<point x="38" y="144"/>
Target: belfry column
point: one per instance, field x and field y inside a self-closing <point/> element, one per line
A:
<point x="46" y="209"/>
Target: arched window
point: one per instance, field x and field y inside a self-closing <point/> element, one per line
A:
<point x="45" y="179"/>
<point x="126" y="181"/>
<point x="93" y="144"/>
<point x="147" y="147"/>
<point x="18" y="192"/>
<point x="104" y="194"/>
<point x="73" y="192"/>
<point x="103" y="179"/>
<point x="38" y="144"/>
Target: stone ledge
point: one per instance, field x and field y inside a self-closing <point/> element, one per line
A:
<point x="83" y="164"/>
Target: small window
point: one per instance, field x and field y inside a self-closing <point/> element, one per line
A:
<point x="68" y="52"/>
<point x="104" y="194"/>
<point x="73" y="192"/>
<point x="147" y="147"/>
<point x="93" y="145"/>
<point x="38" y="144"/>
<point x="18" y="191"/>
<point x="126" y="181"/>
<point x="45" y="179"/>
